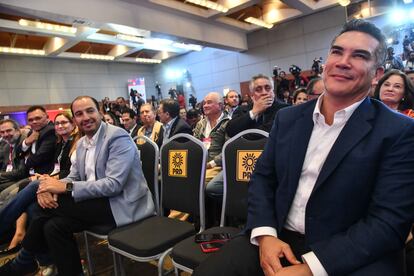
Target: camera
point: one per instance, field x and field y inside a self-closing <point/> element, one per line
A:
<point x="276" y="70"/>
<point x="295" y="70"/>
<point x="317" y="65"/>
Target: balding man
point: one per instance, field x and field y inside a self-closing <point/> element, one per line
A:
<point x="213" y="119"/>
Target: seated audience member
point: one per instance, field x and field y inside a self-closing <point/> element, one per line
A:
<point x="286" y="98"/>
<point x="231" y="101"/>
<point x="261" y="112"/>
<point x="315" y="88"/>
<point x="121" y="106"/>
<point x="151" y="128"/>
<point x="332" y="192"/>
<point x="410" y="75"/>
<point x="40" y="144"/>
<point x="193" y="116"/>
<point x="36" y="149"/>
<point x="111" y="118"/>
<point x="168" y="112"/>
<point x="12" y="165"/>
<point x="395" y="90"/>
<point x="409" y="64"/>
<point x="67" y="137"/>
<point x="214" y="117"/>
<point x="130" y="124"/>
<point x="300" y="96"/>
<point x="105" y="186"/>
<point x="183" y="114"/>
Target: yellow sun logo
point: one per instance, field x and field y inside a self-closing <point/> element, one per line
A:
<point x="249" y="160"/>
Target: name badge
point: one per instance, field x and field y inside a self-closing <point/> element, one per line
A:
<point x="207" y="142"/>
<point x="32" y="172"/>
<point x="9" y="168"/>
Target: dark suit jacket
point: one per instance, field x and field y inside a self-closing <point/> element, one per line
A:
<point x="241" y="119"/>
<point x="179" y="126"/>
<point x="19" y="169"/>
<point x="361" y="208"/>
<point x="43" y="160"/>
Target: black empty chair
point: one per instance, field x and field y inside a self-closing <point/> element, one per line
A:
<point x="183" y="160"/>
<point x="240" y="154"/>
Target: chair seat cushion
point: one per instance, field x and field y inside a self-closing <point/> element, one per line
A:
<point x="151" y="236"/>
<point x="188" y="253"/>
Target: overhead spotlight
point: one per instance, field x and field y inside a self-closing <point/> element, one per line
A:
<point x="148" y="60"/>
<point x="398" y="16"/>
<point x="98" y="57"/>
<point x="190" y="47"/>
<point x="408" y="1"/>
<point x="344" y="3"/>
<point x="390" y="40"/>
<point x="47" y="26"/>
<point x="22" y="51"/>
<point x="258" y="22"/>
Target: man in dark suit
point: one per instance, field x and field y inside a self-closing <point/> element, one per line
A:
<point x="261" y="112"/>
<point x="334" y="185"/>
<point x="168" y="113"/>
<point x="40" y="145"/>
<point x="130" y="123"/>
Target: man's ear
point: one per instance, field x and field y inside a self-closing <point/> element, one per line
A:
<point x="379" y="73"/>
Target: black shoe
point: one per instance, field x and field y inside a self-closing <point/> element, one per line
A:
<point x="7" y="269"/>
<point x="11" y="250"/>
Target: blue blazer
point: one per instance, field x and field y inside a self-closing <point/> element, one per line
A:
<point x="361" y="208"/>
<point x="118" y="175"/>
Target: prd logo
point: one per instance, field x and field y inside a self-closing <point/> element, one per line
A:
<point x="177" y="163"/>
<point x="246" y="160"/>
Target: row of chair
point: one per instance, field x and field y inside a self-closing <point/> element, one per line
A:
<point x="182" y="163"/>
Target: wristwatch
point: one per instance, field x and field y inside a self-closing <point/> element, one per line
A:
<point x="69" y="187"/>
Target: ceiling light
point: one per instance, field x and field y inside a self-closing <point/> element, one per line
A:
<point x="99" y="57"/>
<point x="148" y="60"/>
<point x="190" y="47"/>
<point x="130" y="38"/>
<point x="407" y="1"/>
<point x="209" y="4"/>
<point x="22" y="51"/>
<point x="47" y="26"/>
<point x="258" y="22"/>
<point x="344" y="3"/>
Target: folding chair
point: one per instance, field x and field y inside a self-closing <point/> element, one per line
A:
<point x="183" y="160"/>
<point x="149" y="155"/>
<point x="240" y="154"/>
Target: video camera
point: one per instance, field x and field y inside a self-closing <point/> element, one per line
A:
<point x="317" y="65"/>
<point x="295" y="70"/>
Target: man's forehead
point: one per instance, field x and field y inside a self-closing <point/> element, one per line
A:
<point x="356" y="40"/>
<point x="83" y="104"/>
<point x="6" y="126"/>
<point x="261" y="80"/>
<point x="36" y="112"/>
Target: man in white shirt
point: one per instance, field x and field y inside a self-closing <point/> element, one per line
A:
<point x="332" y="193"/>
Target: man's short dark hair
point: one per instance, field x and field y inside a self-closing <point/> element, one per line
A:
<point x="360" y="25"/>
<point x="256" y="77"/>
<point x="36" y="107"/>
<point x="311" y="84"/>
<point x="84" y="97"/>
<point x="150" y="105"/>
<point x="193" y="113"/>
<point x="131" y="113"/>
<point x="171" y="106"/>
<point x="13" y="122"/>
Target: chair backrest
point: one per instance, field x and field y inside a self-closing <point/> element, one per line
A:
<point x="240" y="154"/>
<point x="149" y="155"/>
<point x="183" y="166"/>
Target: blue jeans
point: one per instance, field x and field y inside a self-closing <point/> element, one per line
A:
<point x="12" y="211"/>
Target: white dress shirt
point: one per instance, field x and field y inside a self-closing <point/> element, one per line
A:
<point x="320" y="144"/>
<point x="90" y="145"/>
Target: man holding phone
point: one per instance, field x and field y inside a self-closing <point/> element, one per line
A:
<point x="334" y="184"/>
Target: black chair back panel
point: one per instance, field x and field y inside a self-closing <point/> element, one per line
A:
<point x="147" y="155"/>
<point x="241" y="156"/>
<point x="181" y="163"/>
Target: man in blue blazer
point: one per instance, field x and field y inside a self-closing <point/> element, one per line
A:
<point x="334" y="187"/>
<point x="106" y="186"/>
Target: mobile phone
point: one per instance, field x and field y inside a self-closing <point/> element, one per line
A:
<point x="210" y="237"/>
<point x="212" y="246"/>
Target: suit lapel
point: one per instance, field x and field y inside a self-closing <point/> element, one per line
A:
<point x="80" y="159"/>
<point x="357" y="127"/>
<point x="99" y="143"/>
<point x="302" y="131"/>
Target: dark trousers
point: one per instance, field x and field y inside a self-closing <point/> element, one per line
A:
<point x="52" y="230"/>
<point x="241" y="258"/>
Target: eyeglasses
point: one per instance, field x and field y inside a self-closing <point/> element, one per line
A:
<point x="61" y="123"/>
<point x="260" y="88"/>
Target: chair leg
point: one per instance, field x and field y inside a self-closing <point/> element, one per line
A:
<point x="119" y="269"/>
<point x="161" y="262"/>
<point x="176" y="271"/>
<point x="88" y="254"/>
